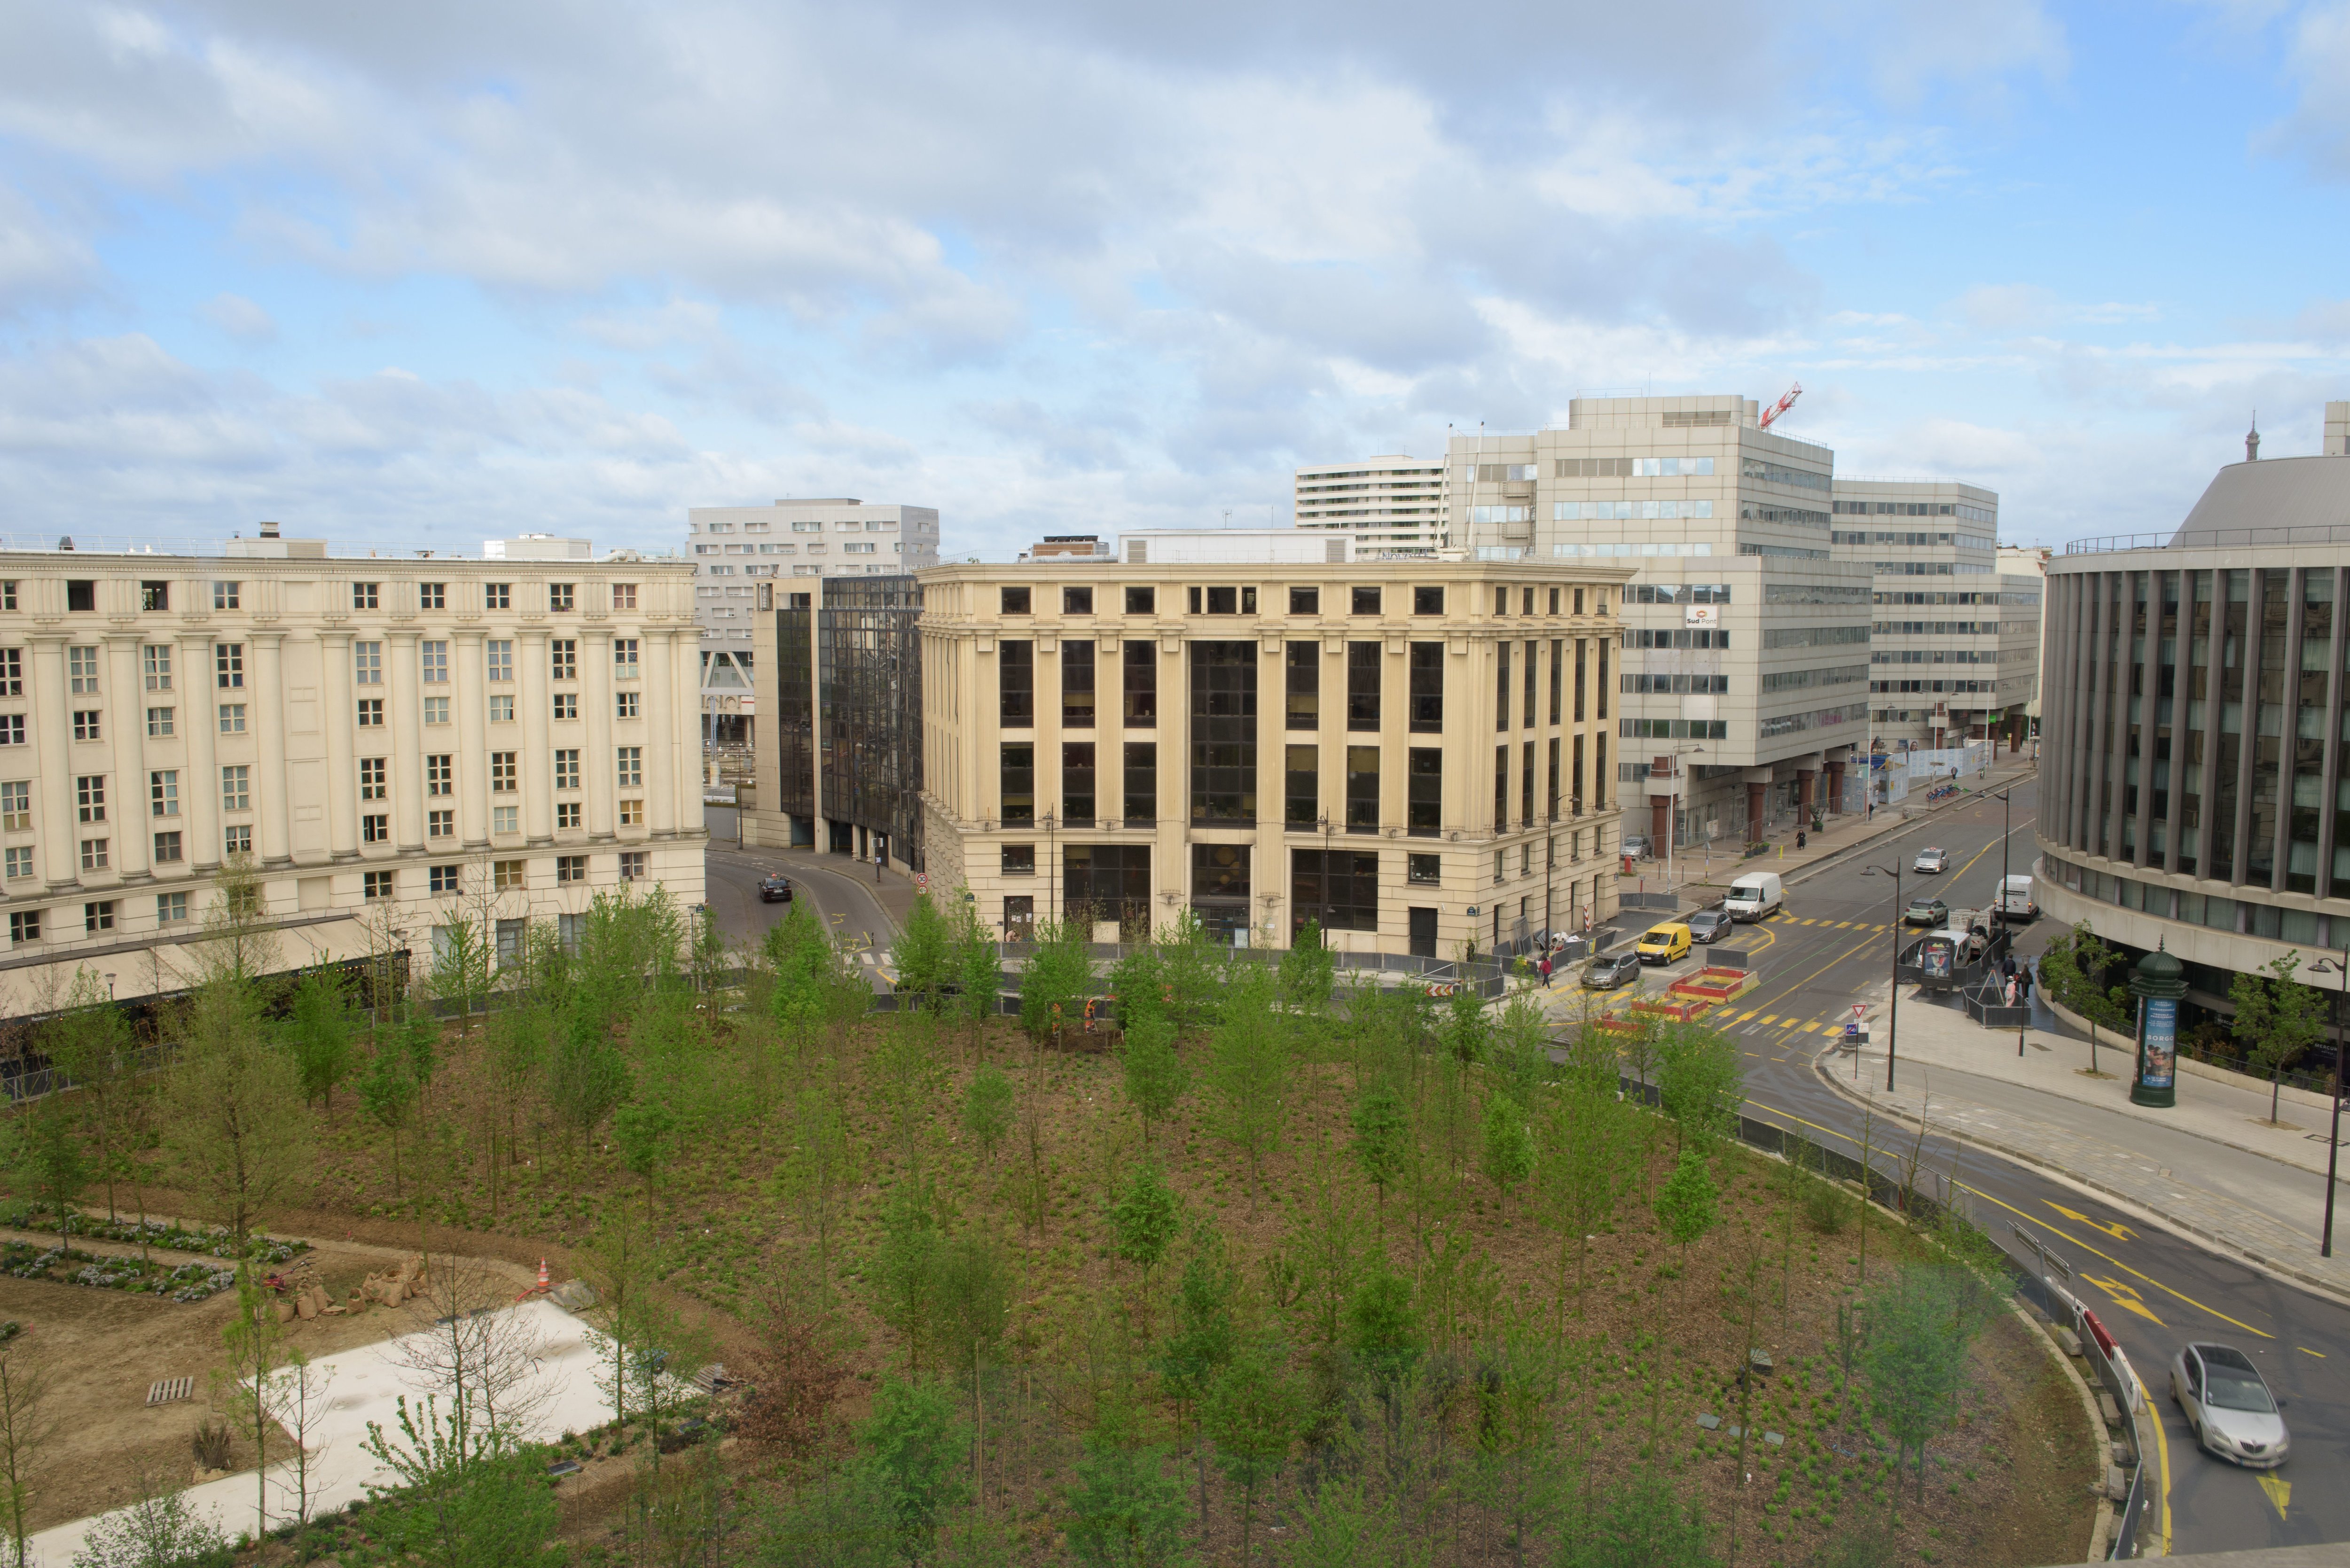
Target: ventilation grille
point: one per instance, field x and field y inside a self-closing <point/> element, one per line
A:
<point x="1678" y="421"/>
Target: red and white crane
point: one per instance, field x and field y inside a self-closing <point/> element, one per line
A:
<point x="1781" y="407"/>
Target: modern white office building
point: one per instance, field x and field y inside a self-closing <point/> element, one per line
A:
<point x="1744" y="677"/>
<point x="368" y="733"/>
<point x="736" y="548"/>
<point x="1392" y="506"/>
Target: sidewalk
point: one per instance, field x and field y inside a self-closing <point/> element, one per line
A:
<point x="2212" y="1165"/>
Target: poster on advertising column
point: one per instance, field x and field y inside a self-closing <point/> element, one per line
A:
<point x="2160" y="1061"/>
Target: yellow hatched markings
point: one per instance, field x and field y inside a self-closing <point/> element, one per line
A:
<point x="1809" y="1027"/>
<point x="2278" y="1490"/>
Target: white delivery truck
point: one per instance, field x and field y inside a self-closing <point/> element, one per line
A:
<point x="1753" y="896"/>
<point x="2015" y="900"/>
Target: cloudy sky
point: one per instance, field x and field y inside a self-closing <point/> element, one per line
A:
<point x="432" y="272"/>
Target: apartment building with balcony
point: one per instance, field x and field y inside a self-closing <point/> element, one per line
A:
<point x="1419" y="755"/>
<point x="1392" y="504"/>
<point x="390" y="734"/>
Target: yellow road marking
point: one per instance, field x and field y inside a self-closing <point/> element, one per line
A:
<point x="2162" y="1452"/>
<point x="1814" y="1023"/>
<point x="1768" y="1020"/>
<point x="2119" y="1232"/>
<point x="2125" y="1297"/>
<point x="1743" y="1017"/>
<point x="2280" y="1489"/>
<point x="2306" y="1351"/>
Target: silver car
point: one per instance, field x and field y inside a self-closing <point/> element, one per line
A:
<point x="2227" y="1403"/>
<point x="1931" y="861"/>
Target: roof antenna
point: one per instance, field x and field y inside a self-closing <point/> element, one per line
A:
<point x="2252" y="440"/>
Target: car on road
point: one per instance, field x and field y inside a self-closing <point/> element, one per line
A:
<point x="774" y="889"/>
<point x="1925" y="910"/>
<point x="1663" y="944"/>
<point x="1707" y="926"/>
<point x="1932" y="861"/>
<point x="1638" y="848"/>
<point x="2227" y="1403"/>
<point x="1609" y="970"/>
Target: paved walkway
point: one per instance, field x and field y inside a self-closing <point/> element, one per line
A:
<point x="2212" y="1165"/>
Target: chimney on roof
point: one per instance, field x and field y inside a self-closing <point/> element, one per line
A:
<point x="269" y="530"/>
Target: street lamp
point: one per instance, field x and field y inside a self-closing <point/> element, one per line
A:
<point x="2334" y="1138"/>
<point x="1893" y="1015"/>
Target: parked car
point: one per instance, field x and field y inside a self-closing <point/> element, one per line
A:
<point x="1664" y="943"/>
<point x="1932" y="861"/>
<point x="1638" y="848"/>
<point x="1708" y="925"/>
<point x="774" y="891"/>
<point x="2228" y="1405"/>
<point x="1925" y="910"/>
<point x="1609" y="970"/>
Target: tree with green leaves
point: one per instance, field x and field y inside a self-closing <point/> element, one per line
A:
<point x="1466" y="1028"/>
<point x="912" y="1444"/>
<point x="2277" y="1020"/>
<point x="254" y="1341"/>
<point x="620" y="1262"/>
<point x="1585" y="1158"/>
<point x="1156" y="1077"/>
<point x="1202" y="1340"/>
<point x="905" y="1266"/>
<point x="1192" y="973"/>
<point x="1647" y="1521"/>
<point x="641" y="1130"/>
<point x="978" y="968"/>
<point x="1058" y="978"/>
<point x="2073" y="970"/>
<point x="29" y="1418"/>
<point x="1700" y="1085"/>
<point x="50" y="1157"/>
<point x="460" y="1497"/>
<point x="1506" y="1156"/>
<point x="987" y="1110"/>
<point x="1252" y="1414"/>
<point x="321" y="1029"/>
<point x="465" y="964"/>
<point x="1308" y="971"/>
<point x="90" y="1043"/>
<point x="236" y="1140"/>
<point x="924" y="951"/>
<point x="388" y="1095"/>
<point x="1915" y="1355"/>
<point x="1146" y="1219"/>
<point x="1689" y="1203"/>
<point x="1124" y="1510"/>
<point x="974" y="1304"/>
<point x="1249" y="1069"/>
<point x="1382" y="1136"/>
<point x="1382" y="1329"/>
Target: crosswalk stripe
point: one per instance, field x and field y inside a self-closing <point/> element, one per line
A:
<point x="1809" y="1027"/>
<point x="1768" y="1020"/>
<point x="1743" y="1016"/>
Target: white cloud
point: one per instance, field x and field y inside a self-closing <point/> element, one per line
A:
<point x="240" y="318"/>
<point x="40" y="263"/>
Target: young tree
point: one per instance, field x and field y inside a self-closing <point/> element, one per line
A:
<point x="483" y="1361"/>
<point x="254" y="1343"/>
<point x="1308" y="971"/>
<point x="1467" y="1030"/>
<point x="1585" y="1159"/>
<point x="1690" y="1204"/>
<point x="320" y="1030"/>
<point x="1251" y="1413"/>
<point x="465" y="963"/>
<point x="924" y="953"/>
<point x="1382" y="1329"/>
<point x="1193" y="973"/>
<point x="50" y="1155"/>
<point x="1203" y="1337"/>
<point x="90" y="1043"/>
<point x="912" y="1444"/>
<point x="2277" y="1020"/>
<point x="1914" y="1356"/>
<point x="238" y="1139"/>
<point x="1647" y="1521"/>
<point x="1507" y="1156"/>
<point x="1146" y="1219"/>
<point x="987" y="1110"/>
<point x="1058" y="977"/>
<point x="2072" y="970"/>
<point x="620" y="1262"/>
<point x="978" y="968"/>
<point x="975" y="1302"/>
<point x="642" y="1131"/>
<point x="1700" y="1085"/>
<point x="1249" y="1069"/>
<point x="160" y="1527"/>
<point x="29" y="1418"/>
<point x="1156" y="1077"/>
<point x="797" y="1377"/>
<point x="1125" y="1509"/>
<point x="906" y="1266"/>
<point x="457" y="1499"/>
<point x="388" y="1095"/>
<point x="1382" y="1132"/>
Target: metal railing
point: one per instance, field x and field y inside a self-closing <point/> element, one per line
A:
<point x="159" y="544"/>
<point x="2046" y="1283"/>
<point x="2213" y="539"/>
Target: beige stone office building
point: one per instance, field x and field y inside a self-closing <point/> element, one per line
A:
<point x="375" y="732"/>
<point x="1390" y="506"/>
<point x="1419" y="755"/>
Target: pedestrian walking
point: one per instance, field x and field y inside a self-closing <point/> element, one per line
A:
<point x="1542" y="968"/>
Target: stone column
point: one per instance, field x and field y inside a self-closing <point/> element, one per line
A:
<point x="53" y="741"/>
<point x="533" y="697"/>
<point x="339" y="717"/>
<point x="1660" y="820"/>
<point x="596" y="689"/>
<point x="1835" y="786"/>
<point x="1754" y="823"/>
<point x="200" y="791"/>
<point x="133" y="847"/>
<point x="407" y="717"/>
<point x="1804" y="777"/>
<point x="661" y="713"/>
<point x="273" y="812"/>
<point x="470" y="718"/>
<point x="684" y="749"/>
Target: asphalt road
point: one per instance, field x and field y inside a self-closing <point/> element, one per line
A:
<point x="2153" y="1289"/>
<point x="841" y="896"/>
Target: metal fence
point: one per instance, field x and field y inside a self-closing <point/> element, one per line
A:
<point x="1988" y="1006"/>
<point x="2046" y="1283"/>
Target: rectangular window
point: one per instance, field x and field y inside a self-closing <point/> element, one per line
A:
<point x="1501" y="789"/>
<point x="1526" y="785"/>
<point x="1014" y="601"/>
<point x="81" y="672"/>
<point x="1602" y="678"/>
<point x="636" y="865"/>
<point x="442" y="880"/>
<point x="171" y="909"/>
<point x="505" y="819"/>
<point x="567" y="768"/>
<point x="24" y="925"/>
<point x="1366" y="600"/>
<point x="1580" y="682"/>
<point x="12" y="728"/>
<point x="570" y="868"/>
<point x="1424" y="791"/>
<point x="560" y="597"/>
<point x="1534" y="661"/>
<point x="1427" y="692"/>
<point x="505" y="772"/>
<point x="155" y="660"/>
<point x="236" y="787"/>
<point x="160" y="723"/>
<point x="1557" y="671"/>
<point x="1362" y="789"/>
<point x="374" y="775"/>
<point x="370" y="712"/>
<point x="98" y="917"/>
<point x="624" y="704"/>
<point x="237" y="839"/>
<point x="569" y="814"/>
<point x="375" y="886"/>
<point x="499" y="651"/>
<point x="94" y="854"/>
<point x="435" y="659"/>
<point x="566" y="704"/>
<point x="1303" y="680"/>
<point x="89" y="795"/>
<point x="364" y="596"/>
<point x="509" y="876"/>
<point x="1078" y="673"/>
<point x="1553" y="813"/>
<point x="375" y="829"/>
<point x="631" y="767"/>
<point x="1427" y="870"/>
<point x="632" y="813"/>
<point x="502" y="708"/>
<point x="1502" y="685"/>
<point x="163" y="793"/>
<point x="1017" y="779"/>
<point x="1338" y="889"/>
<point x="1076" y="601"/>
<point x="366" y="663"/>
<point x="1428" y="601"/>
<point x="1301" y="787"/>
<point x="228" y="666"/>
<point x="232" y="718"/>
<point x="440" y="824"/>
<point x="8" y="594"/>
<point x="19" y="862"/>
<point x="225" y="596"/>
<point x="624" y="596"/>
<point x="440" y="774"/>
<point x="12" y="672"/>
<point x="1306" y="601"/>
<point x="1018" y="860"/>
<point x="1139" y="674"/>
<point x="87" y="725"/>
<point x="1223" y="731"/>
<point x="497" y="596"/>
<point x="432" y="595"/>
<point x="1363" y="686"/>
<point x="1141" y="790"/>
<point x="1077" y="783"/>
<point x="563" y="658"/>
<point x="624" y="658"/>
<point x="167" y="849"/>
<point x="17" y="806"/>
<point x="1142" y="601"/>
<point x="1016" y="676"/>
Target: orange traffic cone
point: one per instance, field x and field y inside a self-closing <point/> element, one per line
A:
<point x="542" y="1273"/>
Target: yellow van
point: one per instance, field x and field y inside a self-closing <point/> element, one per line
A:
<point x="1664" y="943"/>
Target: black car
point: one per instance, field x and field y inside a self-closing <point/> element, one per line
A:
<point x="1609" y="970"/>
<point x="1707" y="926"/>
<point x="774" y="891"/>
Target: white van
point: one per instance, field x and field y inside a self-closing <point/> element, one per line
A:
<point x="2015" y="900"/>
<point x="1753" y="896"/>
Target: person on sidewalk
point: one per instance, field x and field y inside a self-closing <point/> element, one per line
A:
<point x="1542" y="968"/>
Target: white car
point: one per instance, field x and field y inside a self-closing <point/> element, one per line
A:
<point x="1931" y="861"/>
<point x="2227" y="1403"/>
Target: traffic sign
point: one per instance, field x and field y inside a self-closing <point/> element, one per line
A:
<point x="921" y="878"/>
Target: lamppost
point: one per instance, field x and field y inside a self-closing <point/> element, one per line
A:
<point x="1893" y="1015"/>
<point x="1327" y="827"/>
<point x="2334" y="1138"/>
<point x="1052" y="889"/>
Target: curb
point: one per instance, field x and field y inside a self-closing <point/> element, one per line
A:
<point x="2187" y="1229"/>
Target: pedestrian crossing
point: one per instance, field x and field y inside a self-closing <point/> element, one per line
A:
<point x="1827" y="925"/>
<point x="1755" y="1021"/>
